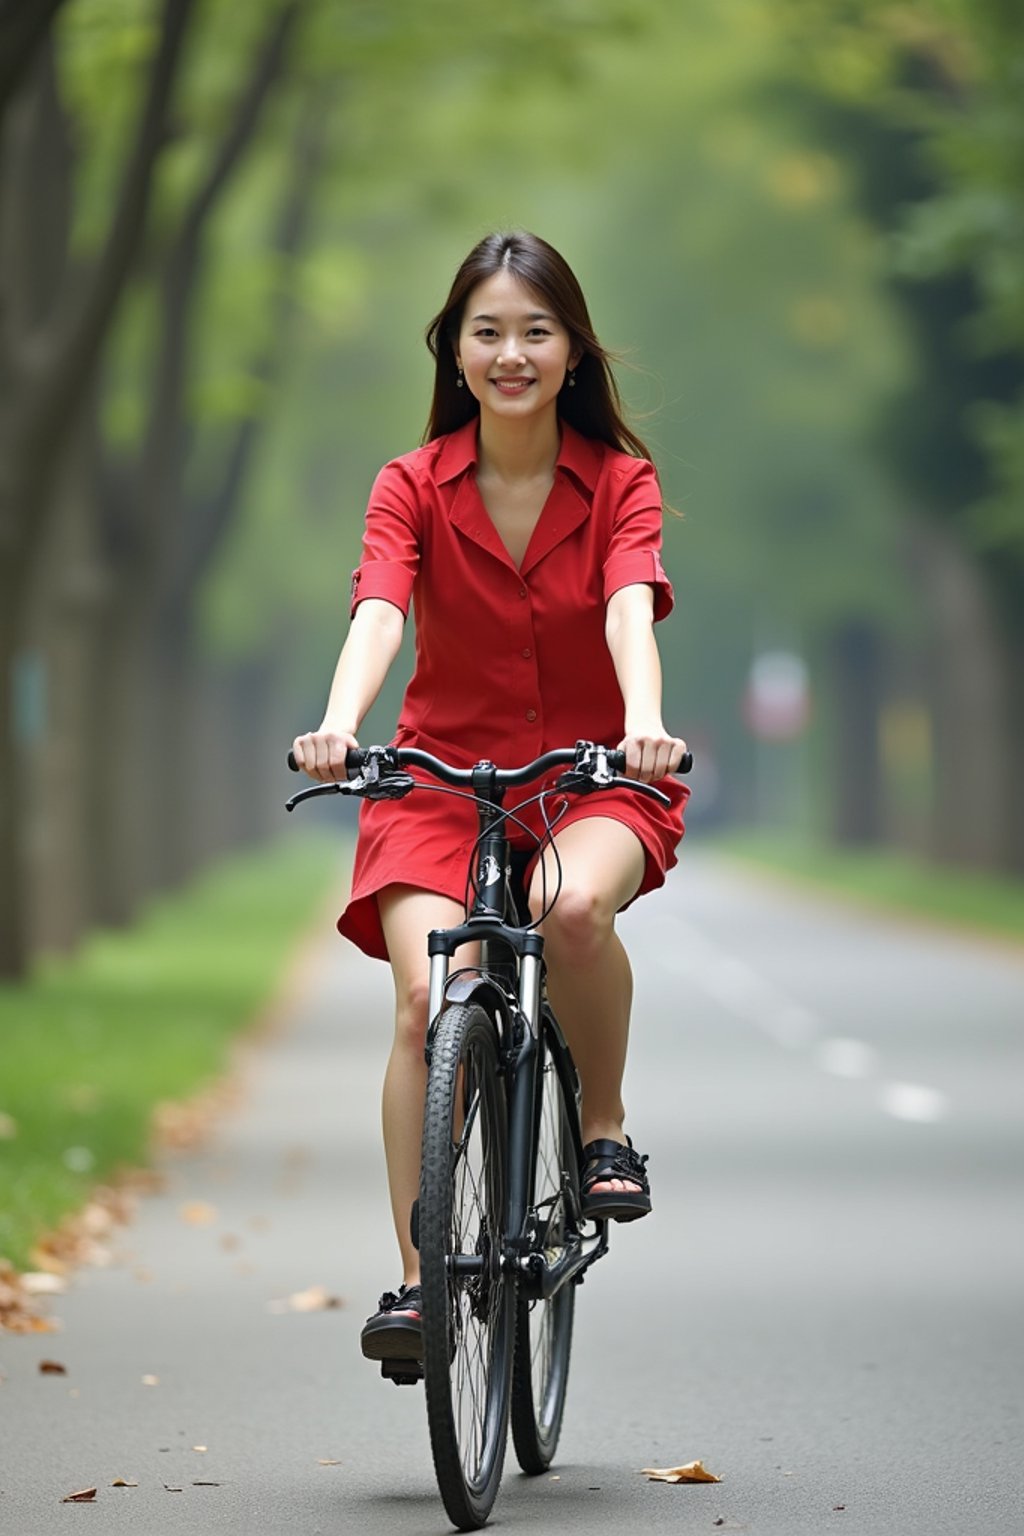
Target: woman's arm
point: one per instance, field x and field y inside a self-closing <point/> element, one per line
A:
<point x="650" y="751"/>
<point x="371" y="645"/>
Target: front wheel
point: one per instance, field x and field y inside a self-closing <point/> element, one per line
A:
<point x="544" y="1327"/>
<point x="468" y="1297"/>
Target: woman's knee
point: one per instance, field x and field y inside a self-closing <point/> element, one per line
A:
<point x="580" y="924"/>
<point x="411" y="1002"/>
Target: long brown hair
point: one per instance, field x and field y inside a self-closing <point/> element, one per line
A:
<point x="593" y="406"/>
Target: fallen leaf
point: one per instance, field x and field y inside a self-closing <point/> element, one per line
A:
<point x="83" y="1496"/>
<point x="182" y="1125"/>
<point x="8" y="1127"/>
<point x="28" y="1323"/>
<point x="123" y="1482"/>
<point x="200" y="1483"/>
<point x="327" y="1461"/>
<point x="316" y="1299"/>
<point x="199" y="1447"/>
<point x="151" y="1381"/>
<point x="50" y="1283"/>
<point x="198" y="1213"/>
<point x="17" y="1304"/>
<point x="173" y="1490"/>
<point x="52" y="1368"/>
<point x="692" y="1472"/>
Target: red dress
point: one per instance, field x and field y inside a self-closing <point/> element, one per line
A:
<point x="510" y="662"/>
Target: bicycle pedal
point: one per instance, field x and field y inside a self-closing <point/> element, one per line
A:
<point x="404" y="1373"/>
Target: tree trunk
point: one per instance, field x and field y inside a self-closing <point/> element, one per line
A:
<point x="856" y="686"/>
<point x="60" y="631"/>
<point x="50" y="349"/>
<point x="969" y="672"/>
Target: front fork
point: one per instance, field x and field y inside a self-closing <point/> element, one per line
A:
<point x="523" y="1079"/>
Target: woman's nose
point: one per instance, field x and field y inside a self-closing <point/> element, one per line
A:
<point x="510" y="351"/>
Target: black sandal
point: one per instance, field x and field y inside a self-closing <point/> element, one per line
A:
<point x="605" y="1159"/>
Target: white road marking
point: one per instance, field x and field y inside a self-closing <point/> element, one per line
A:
<point x="847" y="1058"/>
<point x="738" y="988"/>
<point x="913" y="1102"/>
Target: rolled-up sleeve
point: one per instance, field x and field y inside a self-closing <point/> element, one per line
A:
<point x="391" y="540"/>
<point x="634" y="550"/>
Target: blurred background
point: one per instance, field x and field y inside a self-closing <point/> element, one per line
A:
<point x="223" y="229"/>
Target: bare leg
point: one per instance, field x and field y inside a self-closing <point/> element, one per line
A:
<point x="589" y="978"/>
<point x="407" y="915"/>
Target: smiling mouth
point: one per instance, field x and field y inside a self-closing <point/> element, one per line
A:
<point x="511" y="386"/>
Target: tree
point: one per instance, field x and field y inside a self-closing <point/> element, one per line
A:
<point x="49" y="351"/>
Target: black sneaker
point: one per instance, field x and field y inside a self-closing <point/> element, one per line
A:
<point x="395" y="1331"/>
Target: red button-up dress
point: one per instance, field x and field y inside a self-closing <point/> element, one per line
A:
<point x="510" y="661"/>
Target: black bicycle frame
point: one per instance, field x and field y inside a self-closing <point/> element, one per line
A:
<point x="520" y="1016"/>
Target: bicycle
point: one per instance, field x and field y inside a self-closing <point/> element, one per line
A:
<point x="498" y="1223"/>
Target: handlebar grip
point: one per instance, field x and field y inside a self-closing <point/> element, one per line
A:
<point x="354" y="759"/>
<point x="685" y="763"/>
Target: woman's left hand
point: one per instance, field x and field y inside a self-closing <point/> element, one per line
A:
<point x="651" y="753"/>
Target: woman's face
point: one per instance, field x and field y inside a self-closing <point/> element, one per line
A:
<point x="512" y="349"/>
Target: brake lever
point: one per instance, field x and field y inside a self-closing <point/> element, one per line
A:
<point x="640" y="787"/>
<point x="318" y="789"/>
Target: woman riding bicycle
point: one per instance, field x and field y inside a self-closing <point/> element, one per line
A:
<point x="526" y="531"/>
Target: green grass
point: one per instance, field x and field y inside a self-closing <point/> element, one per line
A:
<point x="91" y="1043"/>
<point x="940" y="893"/>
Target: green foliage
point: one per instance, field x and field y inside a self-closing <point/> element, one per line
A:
<point x="93" y="1044"/>
<point x="949" y="76"/>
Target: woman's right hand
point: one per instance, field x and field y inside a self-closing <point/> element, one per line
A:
<point x="321" y="753"/>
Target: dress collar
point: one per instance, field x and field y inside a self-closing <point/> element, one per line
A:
<point x="580" y="455"/>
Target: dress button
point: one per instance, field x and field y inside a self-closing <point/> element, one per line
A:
<point x="522" y="591"/>
<point x="527" y="652"/>
<point x="531" y="714"/>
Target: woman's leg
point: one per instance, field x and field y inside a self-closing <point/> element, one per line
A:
<point x="407" y="916"/>
<point x="589" y="978"/>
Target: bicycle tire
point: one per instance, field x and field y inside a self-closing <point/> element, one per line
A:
<point x="468" y="1320"/>
<point x="543" y="1345"/>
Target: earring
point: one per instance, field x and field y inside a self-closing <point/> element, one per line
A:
<point x="572" y="379"/>
<point x="460" y="381"/>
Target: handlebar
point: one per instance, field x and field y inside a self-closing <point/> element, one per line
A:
<point x="596" y="765"/>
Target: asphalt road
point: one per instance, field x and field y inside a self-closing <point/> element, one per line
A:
<point x="826" y="1306"/>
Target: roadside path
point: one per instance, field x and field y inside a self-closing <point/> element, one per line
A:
<point x="825" y="1307"/>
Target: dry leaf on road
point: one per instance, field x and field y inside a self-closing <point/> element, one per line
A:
<point x="46" y="1283"/>
<point x="316" y="1299"/>
<point x="692" y="1472"/>
<point x="52" y="1368"/>
<point x="123" y="1482"/>
<point x="83" y="1496"/>
<point x="198" y="1213"/>
<point x="17" y="1313"/>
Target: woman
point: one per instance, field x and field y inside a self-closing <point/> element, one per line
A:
<point x="527" y="531"/>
